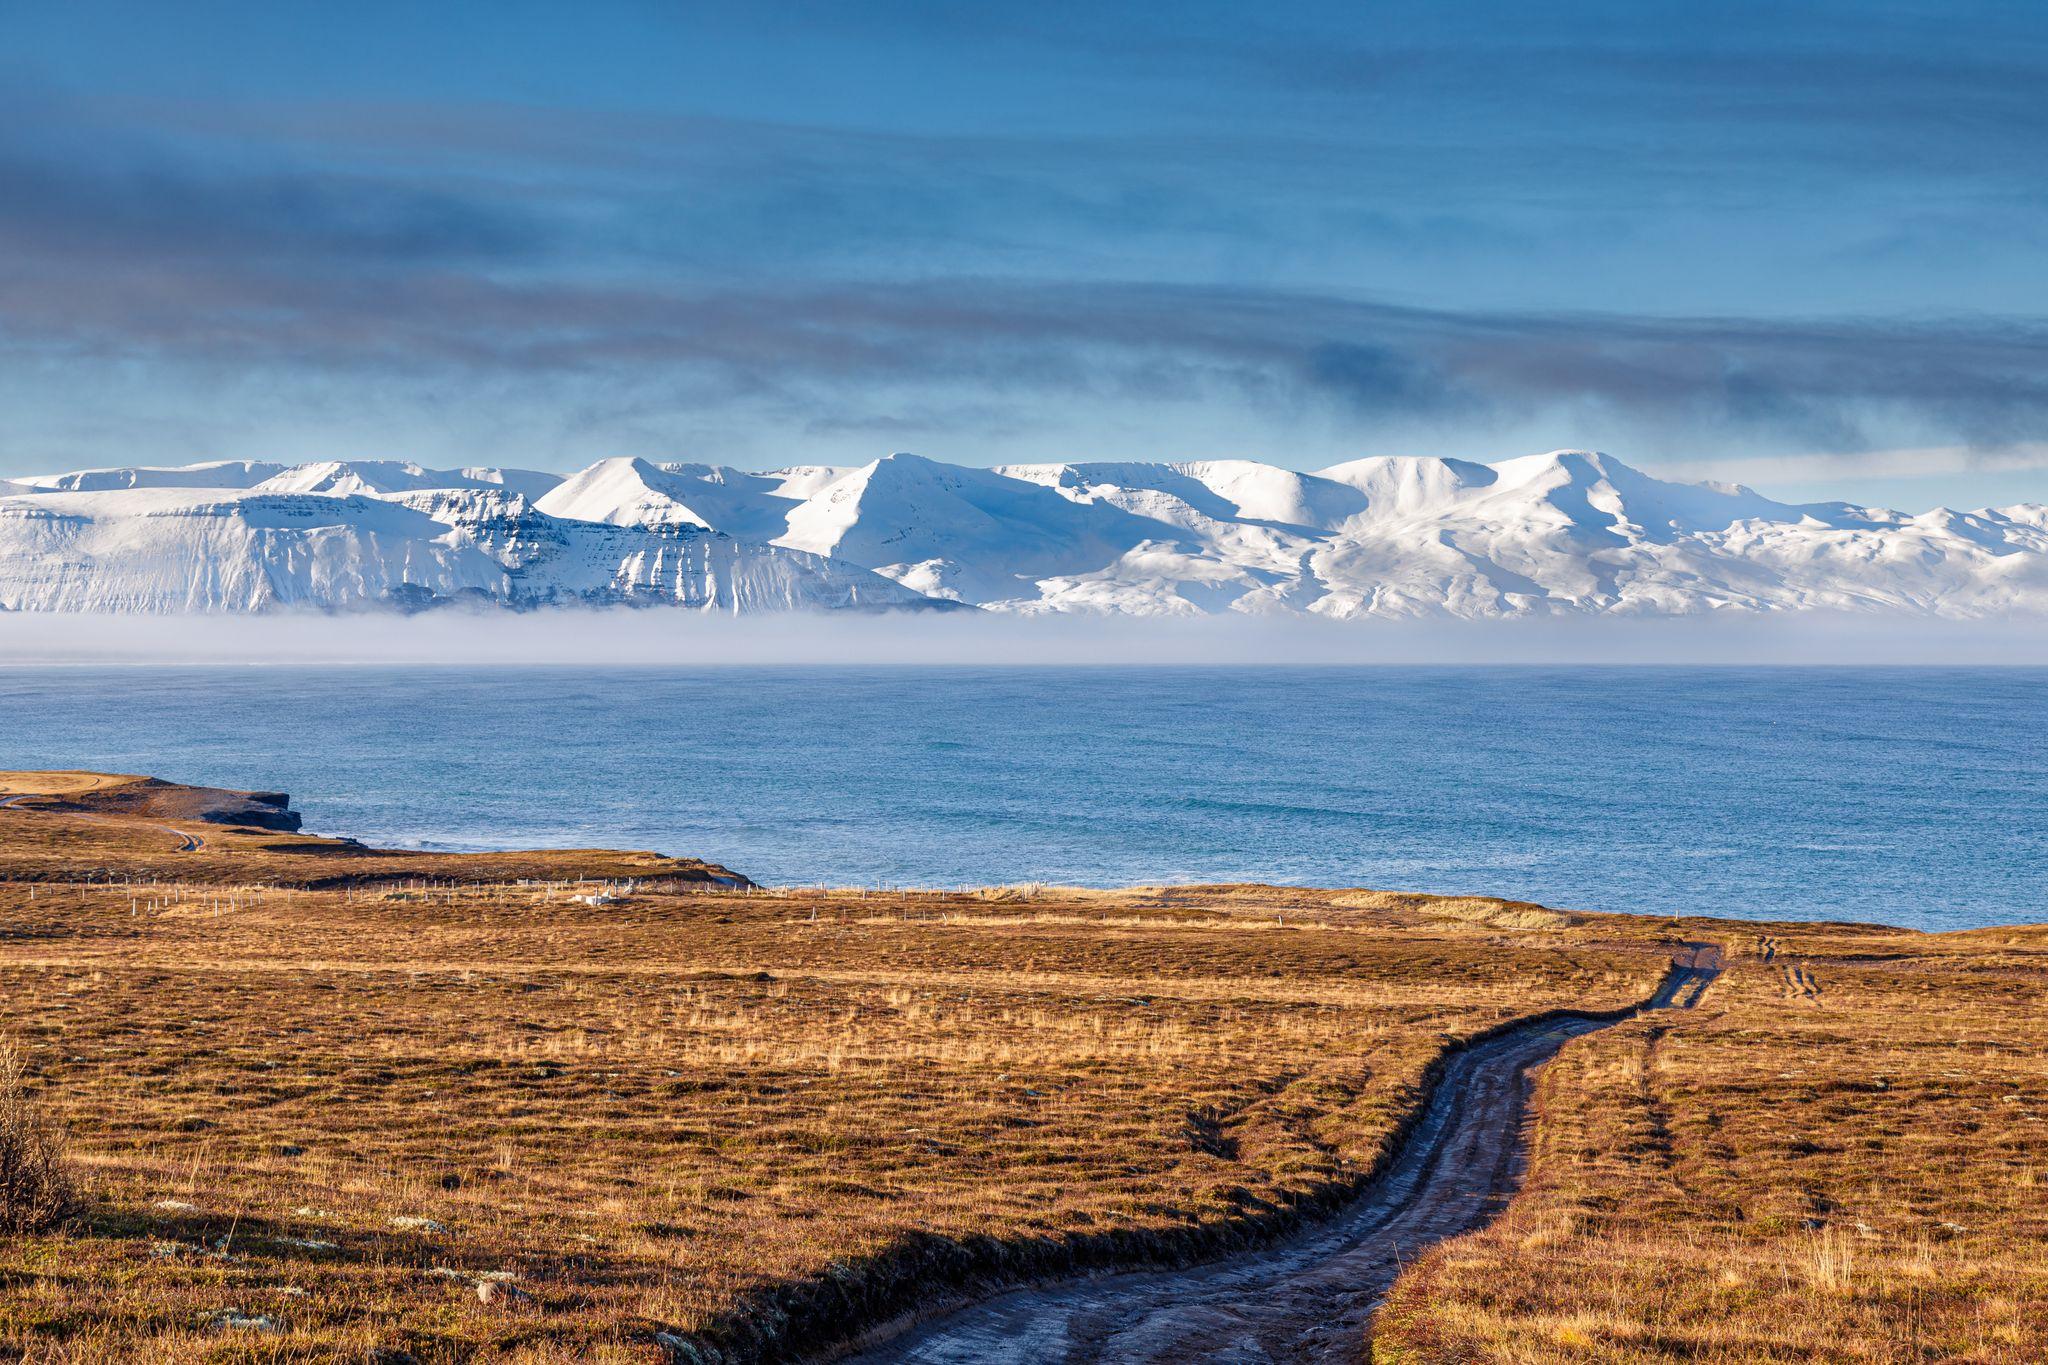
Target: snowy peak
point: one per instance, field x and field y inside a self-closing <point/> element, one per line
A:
<point x="621" y="492"/>
<point x="1400" y="485"/>
<point x="1568" y="531"/>
<point x="634" y="492"/>
<point x="805" y="481"/>
<point x="1213" y="491"/>
<point x="211" y="474"/>
<point x="376" y="478"/>
<point x="959" y="533"/>
<point x="1595" y="493"/>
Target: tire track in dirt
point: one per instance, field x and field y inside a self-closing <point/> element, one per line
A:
<point x="1663" y="1142"/>
<point x="1311" y="1297"/>
<point x="1800" y="985"/>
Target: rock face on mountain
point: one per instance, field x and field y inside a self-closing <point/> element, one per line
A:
<point x="1564" y="532"/>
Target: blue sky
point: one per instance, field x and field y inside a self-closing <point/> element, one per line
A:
<point x="1803" y="250"/>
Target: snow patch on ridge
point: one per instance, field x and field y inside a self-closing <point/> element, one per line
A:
<point x="379" y="477"/>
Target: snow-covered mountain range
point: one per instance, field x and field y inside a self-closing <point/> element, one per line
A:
<point x="1566" y="532"/>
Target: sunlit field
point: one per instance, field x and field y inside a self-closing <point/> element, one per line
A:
<point x="319" y="1102"/>
<point x="1840" y="1157"/>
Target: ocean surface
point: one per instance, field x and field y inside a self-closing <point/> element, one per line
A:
<point x="1909" y="796"/>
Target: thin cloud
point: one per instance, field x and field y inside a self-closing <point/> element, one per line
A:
<point x="71" y="201"/>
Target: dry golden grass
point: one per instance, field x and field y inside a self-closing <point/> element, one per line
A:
<point x="1838" y="1157"/>
<point x="35" y="1185"/>
<point x="325" y="1101"/>
<point x="1498" y="914"/>
<point x="51" y="782"/>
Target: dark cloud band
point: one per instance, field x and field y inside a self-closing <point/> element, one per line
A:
<point x="1820" y="384"/>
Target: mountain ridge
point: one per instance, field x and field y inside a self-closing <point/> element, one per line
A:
<point x="1562" y="532"/>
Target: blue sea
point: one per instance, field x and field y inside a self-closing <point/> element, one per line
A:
<point x="1908" y="796"/>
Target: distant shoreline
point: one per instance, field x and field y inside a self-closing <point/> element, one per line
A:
<point x="1843" y="794"/>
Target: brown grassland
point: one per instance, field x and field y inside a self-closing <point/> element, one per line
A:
<point x="1843" y="1155"/>
<point x="329" y="1103"/>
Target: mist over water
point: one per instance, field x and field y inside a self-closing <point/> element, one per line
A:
<point x="1915" y="796"/>
<point x="673" y="636"/>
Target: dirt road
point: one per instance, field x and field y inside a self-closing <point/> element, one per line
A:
<point x="187" y="842"/>
<point x="1309" y="1298"/>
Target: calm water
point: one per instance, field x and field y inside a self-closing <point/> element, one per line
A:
<point x="1911" y="796"/>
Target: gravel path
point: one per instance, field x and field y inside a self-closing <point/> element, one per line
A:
<point x="1311" y="1297"/>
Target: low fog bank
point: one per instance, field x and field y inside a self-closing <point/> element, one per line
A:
<point x="670" y="637"/>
